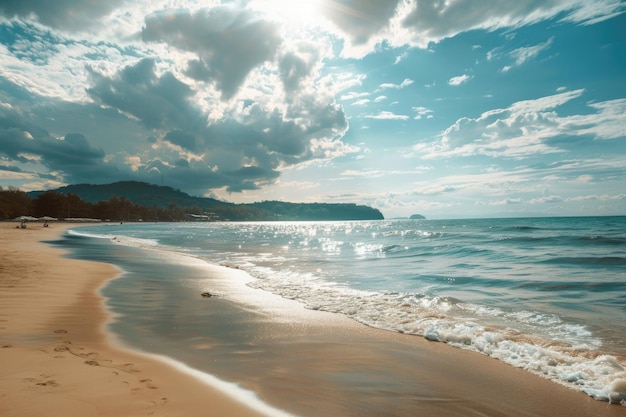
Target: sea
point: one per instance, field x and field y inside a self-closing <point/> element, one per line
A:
<point x="547" y="295"/>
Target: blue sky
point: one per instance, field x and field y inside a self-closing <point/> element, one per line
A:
<point x="445" y="108"/>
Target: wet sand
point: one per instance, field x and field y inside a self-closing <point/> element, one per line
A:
<point x="56" y="358"/>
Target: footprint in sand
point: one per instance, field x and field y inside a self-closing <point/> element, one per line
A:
<point x="148" y="383"/>
<point x="50" y="383"/>
<point x="60" y="331"/>
<point x="92" y="363"/>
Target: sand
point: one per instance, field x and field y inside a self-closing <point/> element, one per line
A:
<point x="57" y="360"/>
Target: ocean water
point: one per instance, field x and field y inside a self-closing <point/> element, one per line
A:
<point x="544" y="294"/>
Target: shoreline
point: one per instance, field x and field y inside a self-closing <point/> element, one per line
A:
<point x="51" y="358"/>
<point x="56" y="357"/>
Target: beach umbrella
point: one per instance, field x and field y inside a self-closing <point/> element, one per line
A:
<point x="47" y="219"/>
<point x="24" y="219"/>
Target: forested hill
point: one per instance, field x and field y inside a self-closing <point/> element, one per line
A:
<point x="141" y="193"/>
<point x="174" y="201"/>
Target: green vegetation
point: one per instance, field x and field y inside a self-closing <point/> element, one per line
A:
<point x="138" y="201"/>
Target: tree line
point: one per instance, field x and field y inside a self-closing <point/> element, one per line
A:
<point x="15" y="203"/>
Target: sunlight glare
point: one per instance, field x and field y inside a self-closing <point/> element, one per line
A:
<point x="293" y="11"/>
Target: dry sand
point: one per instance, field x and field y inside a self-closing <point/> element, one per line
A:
<point x="56" y="360"/>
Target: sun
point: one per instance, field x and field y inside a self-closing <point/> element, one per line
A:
<point x="297" y="12"/>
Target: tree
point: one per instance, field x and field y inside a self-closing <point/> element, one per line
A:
<point x="14" y="203"/>
<point x="49" y="203"/>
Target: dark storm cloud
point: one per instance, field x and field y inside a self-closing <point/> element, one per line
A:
<point x="72" y="155"/>
<point x="60" y="14"/>
<point x="183" y="139"/>
<point x="242" y="178"/>
<point x="228" y="42"/>
<point x="137" y="90"/>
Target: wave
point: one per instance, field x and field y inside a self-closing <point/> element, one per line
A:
<point x="569" y="356"/>
<point x="119" y="239"/>
<point x="586" y="286"/>
<point x="523" y="228"/>
<point x="587" y="260"/>
<point x="604" y="240"/>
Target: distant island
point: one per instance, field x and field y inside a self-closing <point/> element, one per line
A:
<point x="140" y="201"/>
<point x="417" y="217"/>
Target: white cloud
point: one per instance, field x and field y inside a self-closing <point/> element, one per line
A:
<point x="507" y="202"/>
<point x="546" y="199"/>
<point x="352" y="96"/>
<point x="401" y="57"/>
<point x="527" y="127"/>
<point x="434" y="189"/>
<point x="405" y="83"/>
<point x="362" y="102"/>
<point x="521" y="55"/>
<point x="378" y="173"/>
<point x="386" y="115"/>
<point x="455" y="81"/>
<point x="422" y="112"/>
<point x="365" y="25"/>
<point x="420" y="22"/>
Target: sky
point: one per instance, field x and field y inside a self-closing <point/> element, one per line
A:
<point x="445" y="108"/>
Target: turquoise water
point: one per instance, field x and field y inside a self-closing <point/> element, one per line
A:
<point x="544" y="294"/>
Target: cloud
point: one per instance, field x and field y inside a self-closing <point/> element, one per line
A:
<point x="299" y="63"/>
<point x="423" y="21"/>
<point x="151" y="123"/>
<point x="360" y="22"/>
<point x="377" y="173"/>
<point x="507" y="202"/>
<point x="60" y="14"/>
<point x="73" y="155"/>
<point x="386" y="115"/>
<point x="530" y="127"/>
<point x="521" y="55"/>
<point x="364" y="25"/>
<point x="362" y="102"/>
<point x="546" y="199"/>
<point x="137" y="90"/>
<point x="228" y="43"/>
<point x="405" y="83"/>
<point x="353" y="95"/>
<point x="422" y="112"/>
<point x="455" y="81"/>
<point x="434" y="189"/>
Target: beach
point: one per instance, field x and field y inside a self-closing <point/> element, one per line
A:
<point x="57" y="358"/>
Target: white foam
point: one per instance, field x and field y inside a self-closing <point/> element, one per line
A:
<point x="118" y="239"/>
<point x="82" y="232"/>
<point x="232" y="390"/>
<point x="563" y="358"/>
